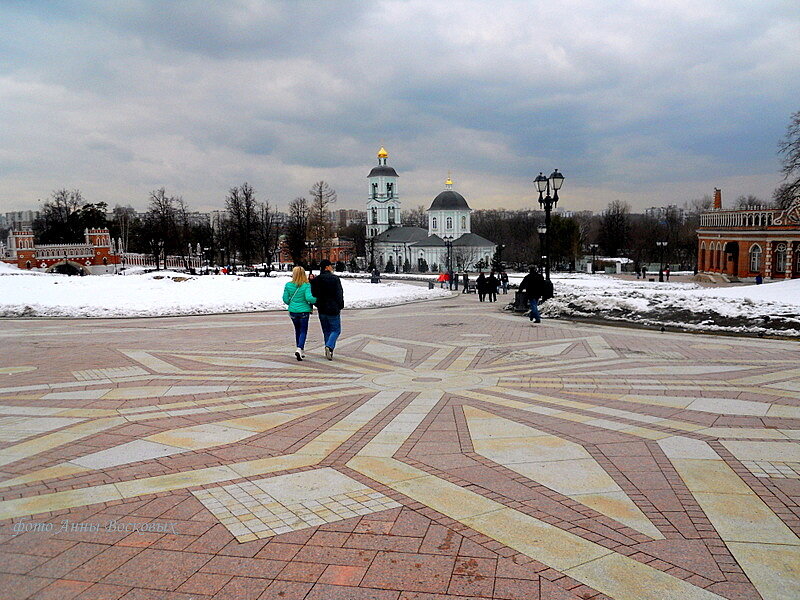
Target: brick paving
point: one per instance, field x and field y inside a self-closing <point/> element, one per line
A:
<point x="450" y="451"/>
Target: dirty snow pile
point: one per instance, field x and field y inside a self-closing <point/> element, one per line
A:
<point x="770" y="308"/>
<point x="163" y="293"/>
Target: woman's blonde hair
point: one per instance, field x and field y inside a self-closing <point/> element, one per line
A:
<point x="299" y="276"/>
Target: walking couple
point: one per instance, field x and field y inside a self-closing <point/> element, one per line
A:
<point x="324" y="291"/>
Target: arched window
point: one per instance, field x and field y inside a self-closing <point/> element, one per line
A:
<point x="374" y="215"/>
<point x="374" y="190"/>
<point x="390" y="190"/>
<point x="391" y="215"/>
<point x="449" y="222"/>
<point x="28" y="265"/>
<point x="755" y="258"/>
<point x="433" y="223"/>
<point x="380" y="260"/>
<point x="463" y="222"/>
<point x="780" y="258"/>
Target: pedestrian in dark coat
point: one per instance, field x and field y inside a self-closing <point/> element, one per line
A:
<point x="533" y="286"/>
<point x="504" y="281"/>
<point x="327" y="289"/>
<point x="491" y="286"/>
<point x="480" y="285"/>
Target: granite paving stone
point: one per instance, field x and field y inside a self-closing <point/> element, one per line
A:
<point x="450" y="450"/>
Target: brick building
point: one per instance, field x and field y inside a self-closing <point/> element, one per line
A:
<point x="96" y="255"/>
<point x="751" y="241"/>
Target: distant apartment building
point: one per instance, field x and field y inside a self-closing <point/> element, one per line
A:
<point x="347" y="216"/>
<point x="661" y="213"/>
<point x="20" y="219"/>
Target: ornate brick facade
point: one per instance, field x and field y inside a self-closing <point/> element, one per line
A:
<point x="749" y="242"/>
<point x="96" y="255"/>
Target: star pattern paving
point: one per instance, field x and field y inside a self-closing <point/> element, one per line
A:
<point x="562" y="460"/>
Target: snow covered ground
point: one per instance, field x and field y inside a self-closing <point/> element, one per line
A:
<point x="771" y="308"/>
<point x="34" y="294"/>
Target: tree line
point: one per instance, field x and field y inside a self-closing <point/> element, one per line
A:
<point x="250" y="231"/>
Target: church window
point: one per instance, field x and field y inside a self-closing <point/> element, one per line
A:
<point x="374" y="190"/>
<point x="755" y="258"/>
<point x="433" y="223"/>
<point x="780" y="258"/>
<point x="390" y="190"/>
<point x="463" y="222"/>
<point x="374" y="215"/>
<point x="380" y="260"/>
<point x="391" y="215"/>
<point x="449" y="222"/>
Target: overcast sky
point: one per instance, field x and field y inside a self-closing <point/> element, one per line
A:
<point x="649" y="101"/>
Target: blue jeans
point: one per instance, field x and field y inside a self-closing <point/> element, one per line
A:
<point x="535" y="310"/>
<point x="300" y="322"/>
<point x="331" y="328"/>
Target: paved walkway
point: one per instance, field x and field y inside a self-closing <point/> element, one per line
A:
<point x="451" y="450"/>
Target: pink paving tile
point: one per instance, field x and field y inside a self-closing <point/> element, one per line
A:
<point x="157" y="569"/>
<point x="412" y="572"/>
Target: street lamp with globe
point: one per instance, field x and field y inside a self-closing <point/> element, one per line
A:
<point x="548" y="201"/>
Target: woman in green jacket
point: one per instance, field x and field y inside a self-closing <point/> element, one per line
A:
<point x="297" y="294"/>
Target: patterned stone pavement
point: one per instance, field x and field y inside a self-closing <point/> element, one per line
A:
<point x="451" y="450"/>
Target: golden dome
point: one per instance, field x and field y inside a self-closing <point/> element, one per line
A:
<point x="382" y="153"/>
<point x="448" y="182"/>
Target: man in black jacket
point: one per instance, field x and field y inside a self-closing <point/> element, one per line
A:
<point x="327" y="289"/>
<point x="533" y="286"/>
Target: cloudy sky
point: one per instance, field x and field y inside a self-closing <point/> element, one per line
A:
<point x="649" y="101"/>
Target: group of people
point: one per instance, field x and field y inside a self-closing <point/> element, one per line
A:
<point x="302" y="293"/>
<point x="489" y="286"/>
<point x="323" y="291"/>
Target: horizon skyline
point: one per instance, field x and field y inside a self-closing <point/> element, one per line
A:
<point x="649" y="102"/>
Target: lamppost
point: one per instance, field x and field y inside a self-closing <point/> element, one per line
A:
<point x="207" y="256"/>
<point x="500" y="249"/>
<point x="448" y="244"/>
<point x="542" y="229"/>
<point x="661" y="247"/>
<point x="543" y="185"/>
<point x="593" y="248"/>
<point x="396" y="251"/>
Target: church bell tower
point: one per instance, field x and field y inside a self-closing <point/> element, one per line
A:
<point x="383" y="203"/>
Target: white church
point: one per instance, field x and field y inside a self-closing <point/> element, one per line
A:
<point x="448" y="235"/>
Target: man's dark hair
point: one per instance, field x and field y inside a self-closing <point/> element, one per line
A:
<point x="323" y="264"/>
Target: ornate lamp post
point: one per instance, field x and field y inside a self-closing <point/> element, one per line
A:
<point x="593" y="248"/>
<point x="542" y="229"/>
<point x="661" y="247"/>
<point x="448" y="244"/>
<point x="543" y="185"/>
<point x="397" y="265"/>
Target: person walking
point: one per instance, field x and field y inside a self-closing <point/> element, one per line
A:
<point x="533" y="287"/>
<point x="491" y="286"/>
<point x="297" y="295"/>
<point x="666" y="272"/>
<point x="504" y="281"/>
<point x="480" y="284"/>
<point x="327" y="289"/>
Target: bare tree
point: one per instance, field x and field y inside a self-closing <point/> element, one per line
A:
<point x="416" y="217"/>
<point x="747" y="201"/>
<point x="319" y="220"/>
<point x="241" y="206"/>
<point x="161" y="223"/>
<point x="614" y="227"/>
<point x="267" y="233"/>
<point x="64" y="217"/>
<point x="297" y="229"/>
<point x="789" y="148"/>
